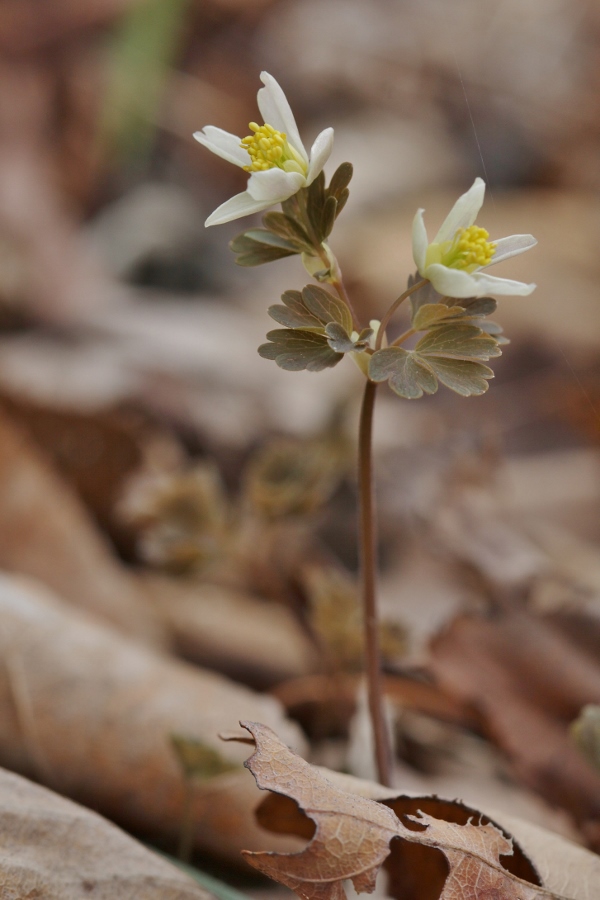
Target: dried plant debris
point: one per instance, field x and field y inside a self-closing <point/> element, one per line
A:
<point x="90" y="713"/>
<point x="527" y="681"/>
<point x="335" y="616"/>
<point x="256" y="641"/>
<point x="350" y="834"/>
<point x="294" y="478"/>
<point x="53" y="849"/>
<point x="180" y="517"/>
<point x="46" y="533"/>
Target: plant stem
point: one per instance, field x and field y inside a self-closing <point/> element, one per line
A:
<point x="337" y="282"/>
<point x="368" y="558"/>
<point x="386" y="319"/>
<point x="403" y="337"/>
<point x="341" y="289"/>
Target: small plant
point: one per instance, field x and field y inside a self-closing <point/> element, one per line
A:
<point x="453" y="337"/>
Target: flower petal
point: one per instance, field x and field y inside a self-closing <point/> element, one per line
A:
<point x="451" y="282"/>
<point x="274" y="185"/>
<point x="491" y="284"/>
<point x="224" y="144"/>
<point x="236" y="207"/>
<point x="276" y="111"/>
<point x="459" y="284"/>
<point x="512" y="246"/>
<point x="319" y="154"/>
<point x="463" y="213"/>
<point x="419" y="240"/>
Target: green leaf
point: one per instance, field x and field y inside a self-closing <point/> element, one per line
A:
<point x="342" y="200"/>
<point x="340" y="341"/>
<point x="430" y="314"/>
<point x="463" y="376"/>
<point x="298" y="350"/>
<point x="315" y="198"/>
<point x="262" y="255"/>
<point x="340" y="180"/>
<point x="294" y="206"/>
<point x="326" y="306"/>
<point x="294" y="313"/>
<point x="288" y="229"/>
<point x="258" y="246"/>
<point x="328" y="216"/>
<point x="458" y="341"/>
<point x="245" y="241"/>
<point x="407" y="375"/>
<point x="474" y="307"/>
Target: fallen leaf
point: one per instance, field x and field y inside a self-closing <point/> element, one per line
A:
<point x="90" y="713"/>
<point x="251" y="640"/>
<point x="528" y="682"/>
<point x="351" y="834"/>
<point x="46" y="532"/>
<point x="53" y="849"/>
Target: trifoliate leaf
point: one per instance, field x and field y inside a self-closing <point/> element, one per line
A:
<point x="463" y="376"/>
<point x="474" y="307"/>
<point x="295" y="206"/>
<point x="258" y="246"/>
<point x="407" y="375"/>
<point x="340" y="341"/>
<point x="328" y="216"/>
<point x="342" y="201"/>
<point x="490" y="327"/>
<point x="340" y="180"/>
<point x="298" y="350"/>
<point x="458" y="341"/>
<point x="294" y="313"/>
<point x="448" y="353"/>
<point x="431" y="314"/>
<point x="326" y="306"/>
<point x="315" y="198"/>
<point x="289" y="229"/>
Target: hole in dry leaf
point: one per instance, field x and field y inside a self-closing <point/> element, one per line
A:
<point x="282" y="815"/>
<point x="518" y="864"/>
<point x="415" y="872"/>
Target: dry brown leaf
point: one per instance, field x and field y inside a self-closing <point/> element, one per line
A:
<point x="352" y="838"/>
<point x="324" y="704"/>
<point x="255" y="641"/>
<point x="90" y="713"/>
<point x="46" y="532"/>
<point x="53" y="849"/>
<point x="528" y="682"/>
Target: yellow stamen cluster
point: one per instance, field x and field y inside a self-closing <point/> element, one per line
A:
<point x="470" y="249"/>
<point x="269" y="148"/>
<point x="266" y="147"/>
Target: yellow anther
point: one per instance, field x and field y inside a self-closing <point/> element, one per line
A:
<point x="469" y="250"/>
<point x="269" y="148"/>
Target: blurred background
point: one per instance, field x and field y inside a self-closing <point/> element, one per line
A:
<point x="128" y="364"/>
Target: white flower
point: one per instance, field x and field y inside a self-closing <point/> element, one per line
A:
<point x="274" y="154"/>
<point x="454" y="262"/>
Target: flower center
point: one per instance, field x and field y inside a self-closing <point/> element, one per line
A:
<point x="469" y="250"/>
<point x="269" y="149"/>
